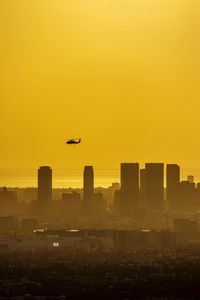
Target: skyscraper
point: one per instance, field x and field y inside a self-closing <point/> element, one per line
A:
<point x="142" y="188"/>
<point x="154" y="185"/>
<point x="88" y="189"/>
<point x="173" y="186"/>
<point x="187" y="195"/>
<point x="44" y="184"/>
<point x="129" y="187"/>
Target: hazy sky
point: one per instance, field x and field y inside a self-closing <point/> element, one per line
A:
<point x="121" y="74"/>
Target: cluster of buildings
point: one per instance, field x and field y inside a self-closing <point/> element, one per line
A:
<point x="150" y="198"/>
<point x="92" y="204"/>
<point x="139" y="189"/>
<point x="144" y="188"/>
<point x="100" y="240"/>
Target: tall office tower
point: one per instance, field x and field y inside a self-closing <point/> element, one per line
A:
<point x="154" y="185"/>
<point x="142" y="188"/>
<point x="187" y="195"/>
<point x="198" y="195"/>
<point x="129" y="188"/>
<point x="99" y="205"/>
<point x="88" y="189"/>
<point x="173" y="186"/>
<point x="44" y="184"/>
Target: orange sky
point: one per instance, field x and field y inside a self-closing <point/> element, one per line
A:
<point x="121" y="74"/>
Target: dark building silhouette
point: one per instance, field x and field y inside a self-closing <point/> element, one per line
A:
<point x="71" y="204"/>
<point x="129" y="187"/>
<point x="44" y="184"/>
<point x="190" y="178"/>
<point x="88" y="189"/>
<point x="198" y="195"/>
<point x="117" y="202"/>
<point x="8" y="202"/>
<point x="9" y="223"/>
<point x="142" y="188"/>
<point x="7" y="197"/>
<point x="187" y="195"/>
<point x="98" y="205"/>
<point x="115" y="186"/>
<point x="173" y="186"/>
<point x="154" y="185"/>
<point x="29" y="194"/>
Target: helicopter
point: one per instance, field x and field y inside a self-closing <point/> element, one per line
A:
<point x="73" y="141"/>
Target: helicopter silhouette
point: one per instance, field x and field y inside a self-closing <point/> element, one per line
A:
<point x="73" y="141"/>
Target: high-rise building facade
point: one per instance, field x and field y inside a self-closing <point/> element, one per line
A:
<point x="142" y="188"/>
<point x="44" y="184"/>
<point x="173" y="186"/>
<point x="99" y="205"/>
<point x="187" y="195"/>
<point x="71" y="205"/>
<point x="88" y="189"/>
<point x="129" y="187"/>
<point x="154" y="185"/>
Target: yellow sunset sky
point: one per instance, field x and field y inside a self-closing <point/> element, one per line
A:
<point x="121" y="74"/>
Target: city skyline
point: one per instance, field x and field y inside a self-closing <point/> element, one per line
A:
<point x="69" y="177"/>
<point x="99" y="149"/>
<point x="139" y="191"/>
